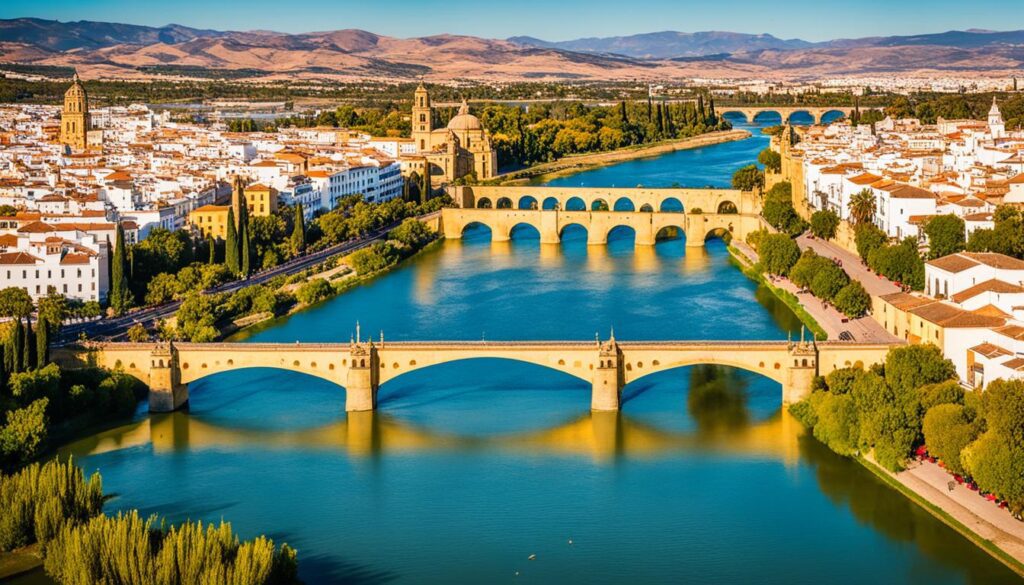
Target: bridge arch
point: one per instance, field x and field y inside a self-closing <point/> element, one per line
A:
<point x="774" y="368"/>
<point x="478" y="226"/>
<point x="524" y="231"/>
<point x="671" y="205"/>
<point x="646" y="208"/>
<point x="832" y="115"/>
<point x="528" y="202"/>
<point x="573" y="365"/>
<point x="727" y="207"/>
<point x="504" y="203"/>
<point x="766" y="115"/>
<point x="550" y="203"/>
<point x="484" y="203"/>
<point x="575" y="204"/>
<point x="573" y="231"/>
<point x="197" y="367"/>
<point x="624" y="204"/>
<point x="621" y="232"/>
<point x="599" y="205"/>
<point x="670" y="232"/>
<point x="720" y="233"/>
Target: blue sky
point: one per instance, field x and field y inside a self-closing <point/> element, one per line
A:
<point x="548" y="19"/>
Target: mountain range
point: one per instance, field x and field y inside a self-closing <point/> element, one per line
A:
<point x="102" y="49"/>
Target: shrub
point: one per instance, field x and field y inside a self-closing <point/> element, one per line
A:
<point x="852" y="300"/>
<point x="314" y="291"/>
<point x="138" y="333"/>
<point x="754" y="238"/>
<point x="40" y="500"/>
<point x="374" y="258"/>
<point x="23" y="434"/>
<point x="413" y="233"/>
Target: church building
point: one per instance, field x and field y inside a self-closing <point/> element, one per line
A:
<point x="461" y="148"/>
<point x="74" y="119"/>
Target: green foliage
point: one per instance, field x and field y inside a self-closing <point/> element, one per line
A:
<point x="828" y="280"/>
<point x="412" y="233"/>
<point x="121" y="298"/>
<point x="868" y="238"/>
<point x="836" y="421"/>
<point x="778" y="253"/>
<point x="900" y="263"/>
<point x="889" y="421"/>
<point x="298" y="238"/>
<point x="948" y="429"/>
<point x="232" y="247"/>
<point x="162" y="288"/>
<point x="945" y="235"/>
<point x="163" y="251"/>
<point x="910" y="366"/>
<point x="771" y="160"/>
<point x="754" y="238"/>
<point x="15" y="302"/>
<point x="21" y="438"/>
<point x="137" y="333"/>
<point x="127" y="549"/>
<point x="863" y="207"/>
<point x="314" y="291"/>
<point x="824" y="224"/>
<point x="41" y="500"/>
<point x="852" y="300"/>
<point x="373" y="258"/>
<point x="931" y="395"/>
<point x="1006" y="237"/>
<point x="748" y="178"/>
<point x="778" y="210"/>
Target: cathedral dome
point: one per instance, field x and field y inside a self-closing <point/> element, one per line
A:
<point x="464" y="120"/>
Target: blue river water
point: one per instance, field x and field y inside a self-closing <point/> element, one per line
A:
<point x="469" y="468"/>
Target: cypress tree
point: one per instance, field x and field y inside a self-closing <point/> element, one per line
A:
<point x="231" y="251"/>
<point x="120" y="294"/>
<point x="8" y="346"/>
<point x="28" y="355"/>
<point x="670" y="130"/>
<point x="245" y="253"/>
<point x="622" y="114"/>
<point x="299" y="230"/>
<point x="212" y="243"/>
<point x="649" y="112"/>
<point x="19" y="346"/>
<point x="701" y="117"/>
<point x="3" y="366"/>
<point x="659" y="122"/>
<point x="42" y="342"/>
<point x="711" y="110"/>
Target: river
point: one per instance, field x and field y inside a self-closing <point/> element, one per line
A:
<point x="470" y="468"/>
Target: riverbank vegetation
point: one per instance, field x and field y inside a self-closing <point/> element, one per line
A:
<point x="55" y="508"/>
<point x="913" y="401"/>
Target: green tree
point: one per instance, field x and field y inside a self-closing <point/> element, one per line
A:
<point x="15" y="302"/>
<point x="314" y="291"/>
<point x="778" y="253"/>
<point x="298" y="237"/>
<point x="945" y="235"/>
<point x="137" y="333"/>
<point x="244" y="241"/>
<point x="948" y="429"/>
<point x="22" y="436"/>
<point x="162" y="288"/>
<point x="412" y="232"/>
<point x="910" y="366"/>
<point x="53" y="310"/>
<point x="853" y="301"/>
<point x="828" y="281"/>
<point x="868" y="237"/>
<point x="771" y="160"/>
<point x="862" y="206"/>
<point x="42" y="353"/>
<point x="824" y="224"/>
<point x="120" y="293"/>
<point x="232" y="250"/>
<point x="900" y="263"/>
<point x="748" y="178"/>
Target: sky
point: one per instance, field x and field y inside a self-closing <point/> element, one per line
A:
<point x="812" y="20"/>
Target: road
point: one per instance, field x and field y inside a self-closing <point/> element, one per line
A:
<point x="115" y="327"/>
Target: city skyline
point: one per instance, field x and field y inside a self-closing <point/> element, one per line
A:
<point x="568" y="20"/>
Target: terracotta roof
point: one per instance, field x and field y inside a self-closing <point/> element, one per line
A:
<point x="75" y="258"/>
<point x="1012" y="331"/>
<point x="36" y="227"/>
<point x="8" y="240"/>
<point x="993" y="285"/>
<point x="17" y="258"/>
<point x="950" y="316"/>
<point x="953" y="263"/>
<point x="904" y="301"/>
<point x="903" y="191"/>
<point x="990" y="350"/>
<point x="996" y="260"/>
<point x="1014" y="364"/>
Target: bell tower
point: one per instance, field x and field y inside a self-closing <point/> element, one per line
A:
<point x="421" y="119"/>
<point x="74" y="119"/>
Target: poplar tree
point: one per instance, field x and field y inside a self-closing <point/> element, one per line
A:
<point x="299" y="230"/>
<point x="231" y="251"/>
<point x="42" y="342"/>
<point x="120" y="294"/>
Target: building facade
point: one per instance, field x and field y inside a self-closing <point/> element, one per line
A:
<point x="461" y="148"/>
<point x="74" y="118"/>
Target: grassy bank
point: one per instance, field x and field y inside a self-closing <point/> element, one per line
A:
<point x="791" y="301"/>
<point x="577" y="163"/>
<point x="983" y="543"/>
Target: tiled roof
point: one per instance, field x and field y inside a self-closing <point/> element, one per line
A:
<point x="992" y="285"/>
<point x="990" y="350"/>
<point x="953" y="263"/>
<point x="17" y="258"/>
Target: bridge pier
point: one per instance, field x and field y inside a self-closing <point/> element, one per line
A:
<point x="800" y="376"/>
<point x="549" y="228"/>
<point x="606" y="389"/>
<point x="645" y="235"/>
<point x="166" y="392"/>
<point x="363" y="378"/>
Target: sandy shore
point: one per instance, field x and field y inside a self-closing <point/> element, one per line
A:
<point x="582" y="162"/>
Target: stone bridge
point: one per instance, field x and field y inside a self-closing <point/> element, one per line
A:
<point x="598" y="224"/>
<point x="786" y="112"/>
<point x="362" y="366"/>
<point x="606" y="199"/>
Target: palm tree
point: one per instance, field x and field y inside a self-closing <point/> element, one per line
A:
<point x="862" y="206"/>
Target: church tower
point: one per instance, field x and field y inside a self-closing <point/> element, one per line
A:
<point x="996" y="126"/>
<point x="421" y="119"/>
<point x="74" y="119"/>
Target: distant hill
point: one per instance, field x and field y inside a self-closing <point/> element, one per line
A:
<point x="670" y="44"/>
<point x="101" y="49"/>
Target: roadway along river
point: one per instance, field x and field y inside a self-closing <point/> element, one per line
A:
<point x="470" y="468"/>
